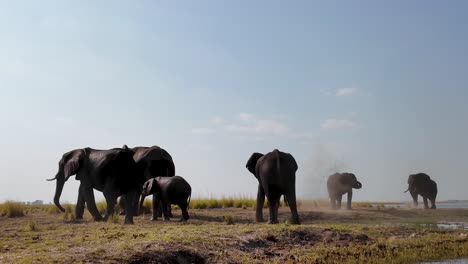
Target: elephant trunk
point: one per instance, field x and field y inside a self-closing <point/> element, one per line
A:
<point x="142" y="200"/>
<point x="58" y="190"/>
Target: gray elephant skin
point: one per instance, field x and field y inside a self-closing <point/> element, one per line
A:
<point x="153" y="161"/>
<point x="170" y="190"/>
<point x="422" y="184"/>
<point x="339" y="184"/>
<point x="276" y="175"/>
<point x="113" y="172"/>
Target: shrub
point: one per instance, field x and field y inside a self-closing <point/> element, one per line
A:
<point x="114" y="218"/>
<point x="146" y="208"/>
<point x="12" y="209"/>
<point x="69" y="214"/>
<point x="31" y="226"/>
<point x="52" y="209"/>
<point x="102" y="207"/>
<point x="228" y="219"/>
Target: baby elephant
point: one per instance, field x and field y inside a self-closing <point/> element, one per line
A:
<point x="168" y="190"/>
<point x="339" y="184"/>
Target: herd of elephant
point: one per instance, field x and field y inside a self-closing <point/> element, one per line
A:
<point x="134" y="173"/>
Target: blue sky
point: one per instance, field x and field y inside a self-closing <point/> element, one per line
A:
<point x="377" y="88"/>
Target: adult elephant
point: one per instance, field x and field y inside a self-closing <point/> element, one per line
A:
<point x="153" y="161"/>
<point x="339" y="184"/>
<point x="422" y="184"/>
<point x="113" y="172"/>
<point x="276" y="175"/>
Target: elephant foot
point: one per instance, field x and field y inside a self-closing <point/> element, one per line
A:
<point x="122" y="212"/>
<point x="272" y="222"/>
<point x="166" y="219"/>
<point x="349" y="208"/>
<point x="79" y="217"/>
<point x="98" y="219"/>
<point x="128" y="221"/>
<point x="295" y="222"/>
<point x="154" y="218"/>
<point x="260" y="220"/>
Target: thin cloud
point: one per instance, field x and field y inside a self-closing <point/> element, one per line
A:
<point x="217" y="120"/>
<point x="345" y="91"/>
<point x="261" y="126"/>
<point x="64" y="121"/>
<point x="202" y="131"/>
<point x="336" y="123"/>
<point x="246" y="117"/>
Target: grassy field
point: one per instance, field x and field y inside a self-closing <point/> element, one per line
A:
<point x="228" y="234"/>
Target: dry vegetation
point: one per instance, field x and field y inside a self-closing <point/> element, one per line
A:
<point x="367" y="234"/>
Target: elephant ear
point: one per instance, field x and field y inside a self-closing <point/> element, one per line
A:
<point x="252" y="162"/>
<point x="293" y="161"/>
<point x="71" y="162"/>
<point x="148" y="186"/>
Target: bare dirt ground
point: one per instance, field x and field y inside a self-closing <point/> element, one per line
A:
<point x="362" y="235"/>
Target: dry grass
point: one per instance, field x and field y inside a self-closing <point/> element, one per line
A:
<point x="12" y="209"/>
<point x="230" y="235"/>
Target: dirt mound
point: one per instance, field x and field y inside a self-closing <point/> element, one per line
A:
<point x="167" y="257"/>
<point x="327" y="235"/>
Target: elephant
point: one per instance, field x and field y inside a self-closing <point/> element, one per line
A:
<point x="154" y="161"/>
<point x="339" y="184"/>
<point x="113" y="172"/>
<point x="276" y="175"/>
<point x="170" y="190"/>
<point x="422" y="184"/>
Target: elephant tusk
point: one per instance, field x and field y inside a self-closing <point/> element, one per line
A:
<point x="406" y="191"/>
<point x="51" y="179"/>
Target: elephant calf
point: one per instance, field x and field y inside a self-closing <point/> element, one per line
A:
<point x="339" y="184"/>
<point x="422" y="184"/>
<point x="169" y="190"/>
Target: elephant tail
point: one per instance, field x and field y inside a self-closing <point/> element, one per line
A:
<point x="188" y="200"/>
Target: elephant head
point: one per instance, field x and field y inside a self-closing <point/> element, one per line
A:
<point x="252" y="162"/>
<point x="349" y="179"/>
<point x="68" y="166"/>
<point x="151" y="186"/>
<point x="415" y="181"/>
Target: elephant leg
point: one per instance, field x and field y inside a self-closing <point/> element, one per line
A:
<point x="333" y="202"/>
<point x="415" y="199"/>
<point x="338" y="200"/>
<point x="80" y="204"/>
<point x="91" y="202"/>
<point x="131" y="205"/>
<point x="291" y="197"/>
<point x="426" y="206"/>
<point x="165" y="210"/>
<point x="156" y="207"/>
<point x="183" y="207"/>
<point x="160" y="210"/>
<point x="433" y="205"/>
<point x="111" y="201"/>
<point x="122" y="204"/>
<point x="273" y="205"/>
<point x="350" y="197"/>
<point x="260" y="202"/>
